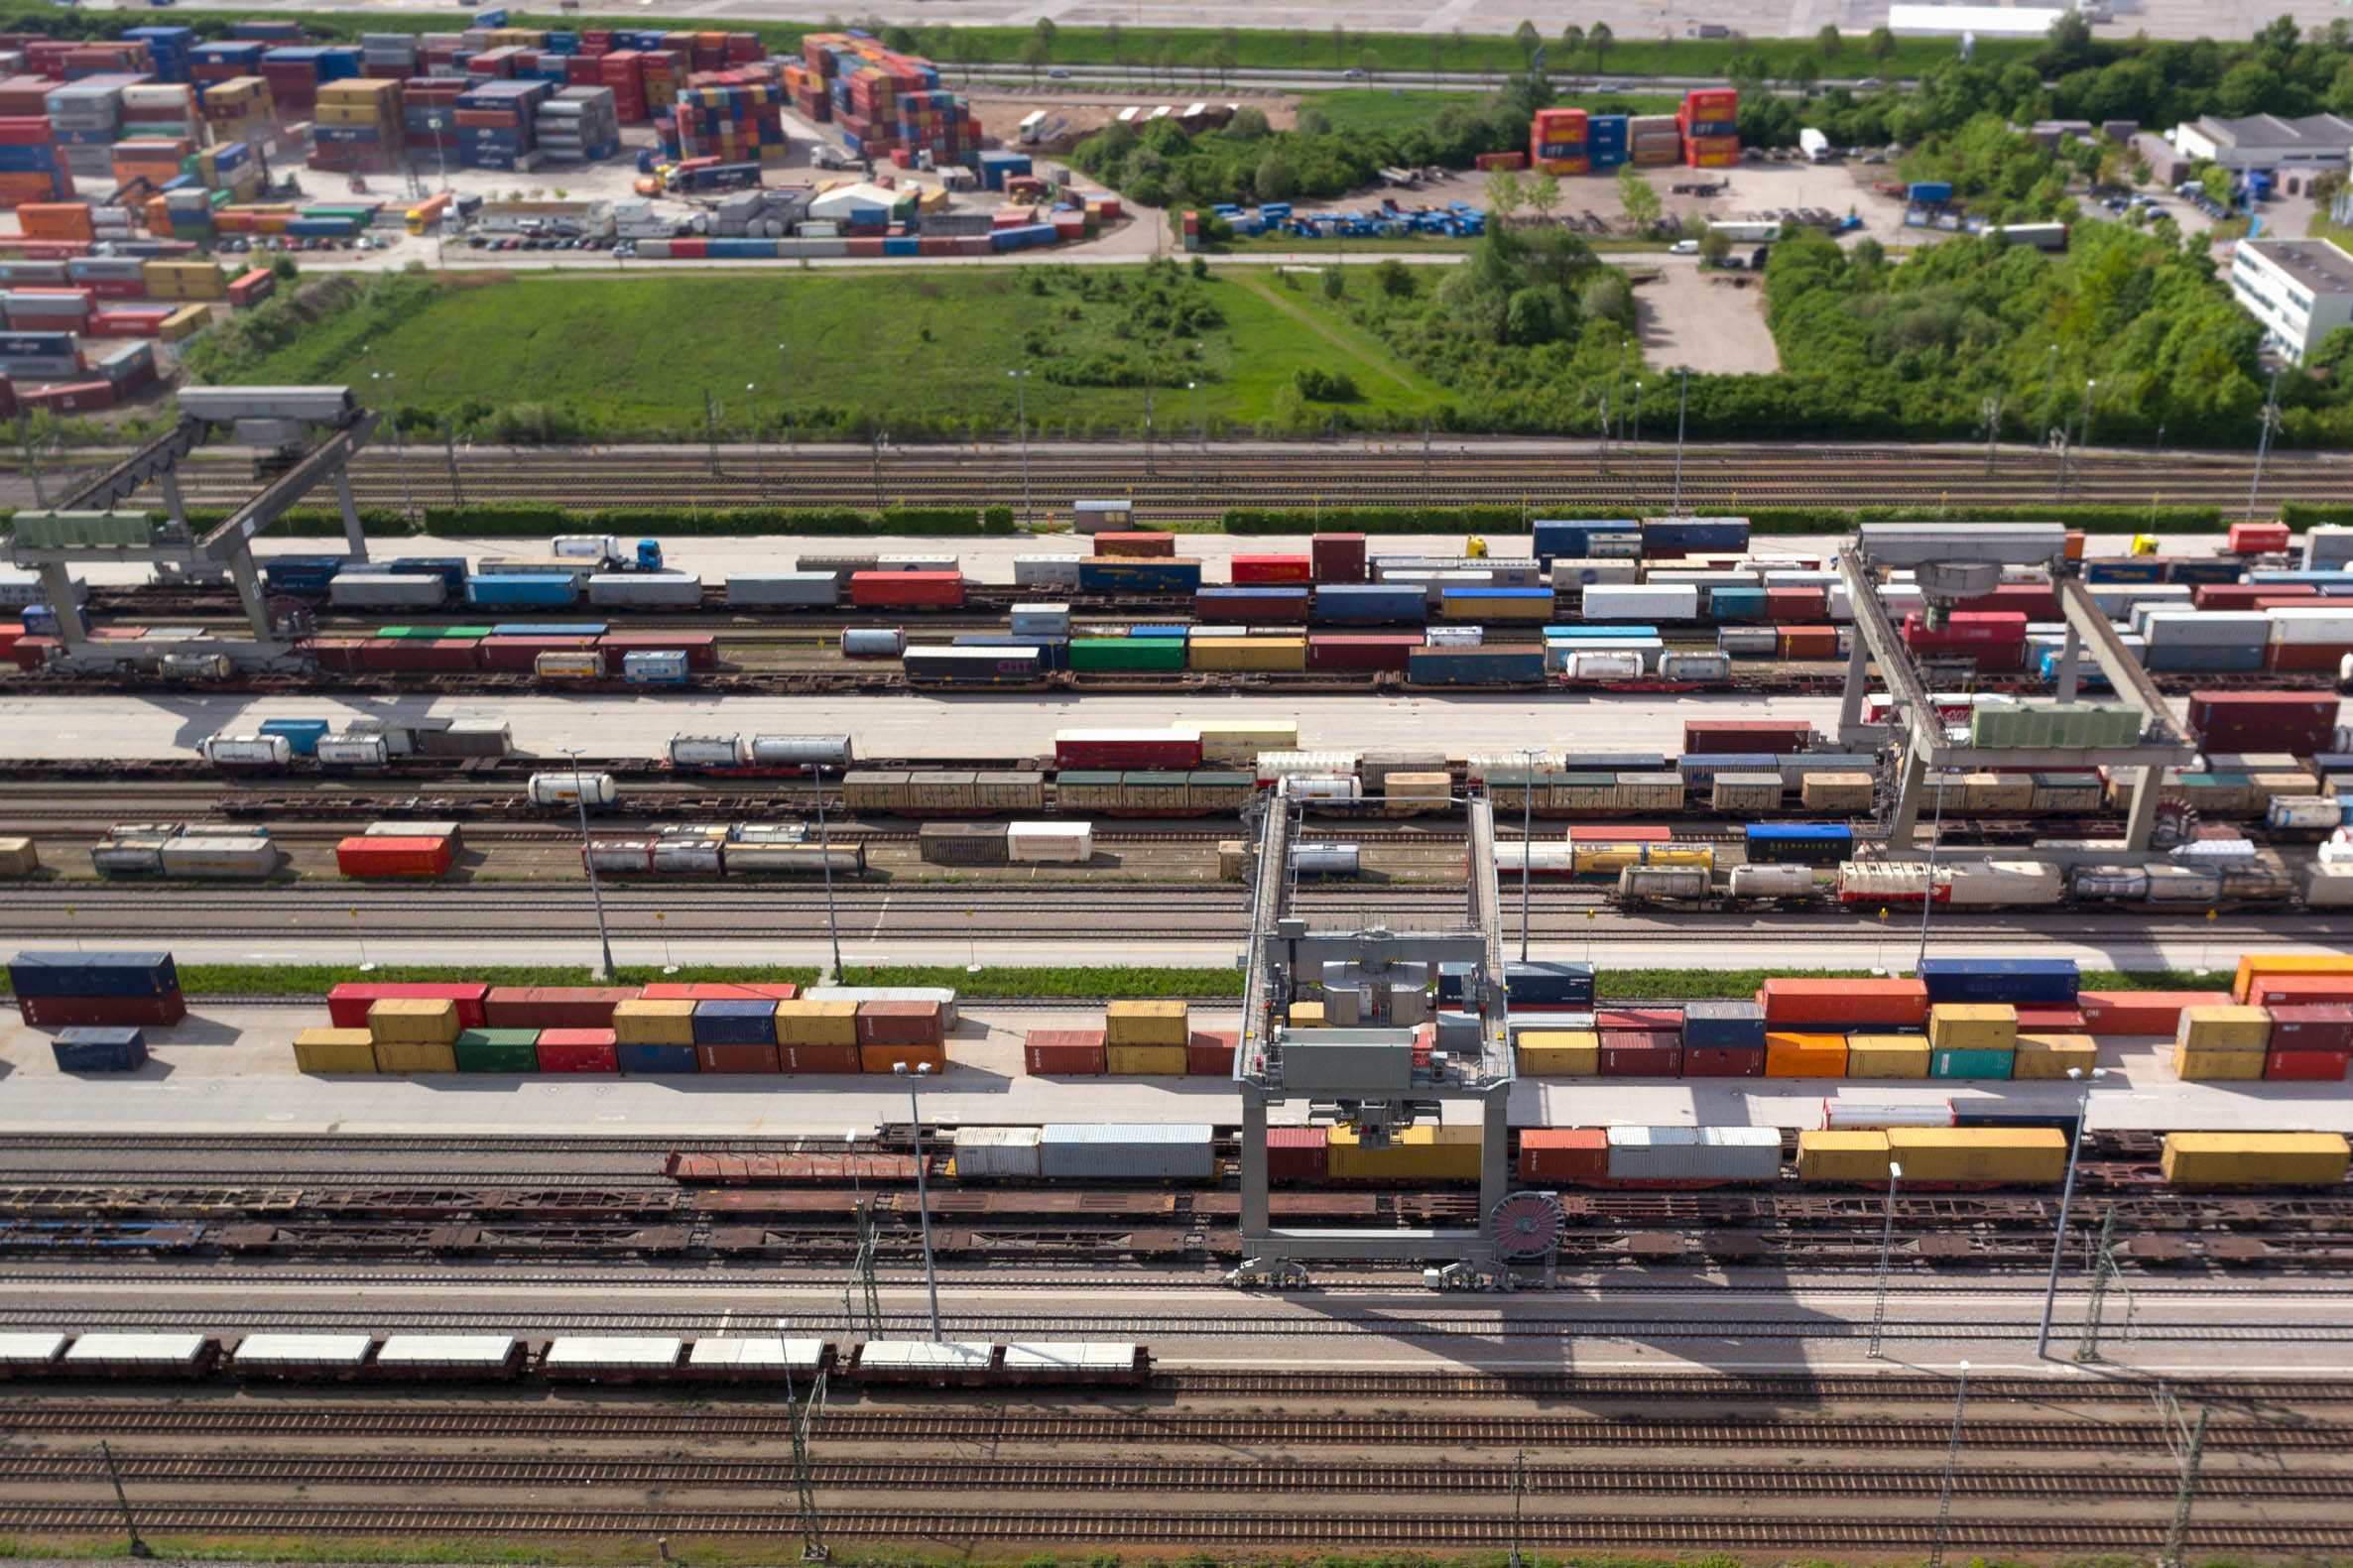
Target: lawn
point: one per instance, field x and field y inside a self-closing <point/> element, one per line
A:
<point x="1393" y="111"/>
<point x="921" y="352"/>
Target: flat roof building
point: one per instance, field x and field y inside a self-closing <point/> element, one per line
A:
<point x="2299" y="290"/>
<point x="2266" y="140"/>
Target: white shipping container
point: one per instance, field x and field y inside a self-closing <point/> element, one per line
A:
<point x="1041" y="571"/>
<point x="387" y="590"/>
<point x="2328" y="886"/>
<point x="1112" y="1151"/>
<point x="1545" y="858"/>
<point x="1049" y="843"/>
<point x="2211" y="852"/>
<point x="1454" y="636"/>
<point x="756" y="1354"/>
<point x="1568" y="574"/>
<point x="996" y="1154"/>
<point x="2032" y="883"/>
<point x="31" y="1347"/>
<point x="302" y="1352"/>
<point x="1305" y="764"/>
<point x="222" y="857"/>
<point x="943" y="995"/>
<point x="1838" y="1115"/>
<point x="2168" y="626"/>
<point x="1695" y="1154"/>
<point x="2301" y="626"/>
<point x="651" y="589"/>
<point x="1606" y="601"/>
<point x="248" y="751"/>
<point x="137" y="1350"/>
<point x="1695" y="667"/>
<point x="612" y="1353"/>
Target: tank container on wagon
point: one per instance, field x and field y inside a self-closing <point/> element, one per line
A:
<point x="802" y="751"/>
<point x="248" y="751"/>
<point x="568" y="788"/>
<point x="709" y="750"/>
<point x="347" y="750"/>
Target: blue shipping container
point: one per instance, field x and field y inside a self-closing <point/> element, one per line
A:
<point x="302" y="735"/>
<point x="1597" y="629"/>
<point x="99" y="1048"/>
<point x="523" y="588"/>
<point x="1681" y="536"/>
<point x="50" y="973"/>
<point x="549" y="629"/>
<point x="2182" y="570"/>
<point x="1575" y="538"/>
<point x="1450" y="979"/>
<point x="746" y="1022"/>
<point x="1132" y="574"/>
<point x="1724" y="1025"/>
<point x="450" y="568"/>
<point x="1350" y="604"/>
<point x="1053" y="653"/>
<point x="1799" y="843"/>
<point x="2186" y="657"/>
<point x="300" y="573"/>
<point x="2021" y="980"/>
<point x="1735" y="603"/>
<point x="651" y="668"/>
<point x="1550" y="984"/>
<point x="2124" y="568"/>
<point x="658" y="1059"/>
<point x="1475" y="666"/>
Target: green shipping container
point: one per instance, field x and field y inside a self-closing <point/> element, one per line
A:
<point x="498" y="1050"/>
<point x="2055" y="724"/>
<point x="1127" y="652"/>
<point x="82" y="530"/>
<point x="1942" y="1064"/>
<point x="435" y="634"/>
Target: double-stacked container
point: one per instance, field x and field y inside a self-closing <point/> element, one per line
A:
<point x="1556" y="142"/>
<point x="57" y="990"/>
<point x="1146" y="1037"/>
<point x="1709" y="123"/>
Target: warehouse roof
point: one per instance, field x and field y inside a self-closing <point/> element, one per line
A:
<point x="2316" y="131"/>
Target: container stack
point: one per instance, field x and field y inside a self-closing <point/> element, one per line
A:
<point x="620" y="71"/>
<point x="164" y="110"/>
<point x="1653" y="140"/>
<point x="1556" y="142"/>
<point x="578" y="125"/>
<point x="1995" y="639"/>
<point x="224" y="60"/>
<point x="388" y="55"/>
<point x="230" y="167"/>
<point x="296" y="75"/>
<point x="494" y="124"/>
<point x="86" y="117"/>
<point x="1710" y="122"/>
<point x="1606" y="140"/>
<point x="429" y="114"/>
<point x="736" y="122"/>
<point x="57" y="990"/>
<point x="1146" y="1037"/>
<point x="171" y="50"/>
<point x="360" y="126"/>
<point x="32" y="170"/>
<point x="237" y="109"/>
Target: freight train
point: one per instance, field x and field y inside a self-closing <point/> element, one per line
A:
<point x="344" y="1356"/>
<point x="2201" y="878"/>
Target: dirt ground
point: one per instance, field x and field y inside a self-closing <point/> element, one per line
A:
<point x="1713" y="322"/>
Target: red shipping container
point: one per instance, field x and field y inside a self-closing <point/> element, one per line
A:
<point x="2053" y="1020"/>
<point x="2273" y="991"/>
<point x="1362" y="651"/>
<point x="2301" y="722"/>
<point x="1641" y="1061"/>
<point x="347" y="1004"/>
<point x="1809" y="641"/>
<point x="1338" y="557"/>
<point x="553" y="1007"/>
<point x="1797" y="604"/>
<point x="2142" y="1012"/>
<point x="1144" y="544"/>
<point x="362" y="856"/>
<point x="1647" y="1021"/>
<point x="901" y="1024"/>
<point x="577" y="1050"/>
<point x="2036" y="601"/>
<point x="1259" y="571"/>
<point x="2289" y="657"/>
<point x="391" y="655"/>
<point x="1720" y="737"/>
<point x="744" y="1056"/>
<point x="1295" y="1153"/>
<point x="1569" y="1155"/>
<point x="700" y="647"/>
<point x="1063" y="1053"/>
<point x="924" y="590"/>
<point x="1723" y="1062"/>
<point x="2312" y="1025"/>
<point x="1622" y="834"/>
<point x="2319" y="1066"/>
<point x="1211" y="1054"/>
<point x="2257" y="539"/>
<point x="2242" y="595"/>
<point x="52" y="1013"/>
<point x="817" y="1058"/>
<point x="31" y="653"/>
<point x="1998" y="628"/>
<point x="1127" y="751"/>
<point x="1789" y="999"/>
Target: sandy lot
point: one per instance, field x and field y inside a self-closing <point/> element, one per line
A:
<point x="1710" y="322"/>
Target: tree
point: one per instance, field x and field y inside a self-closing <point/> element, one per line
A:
<point x="1274" y="181"/>
<point x="1802" y="73"/>
<point x="1504" y="194"/>
<point x="1035" y="53"/>
<point x="2339" y="99"/>
<point x="1829" y="41"/>
<point x="1248" y="124"/>
<point x="1542" y="192"/>
<point x="1881" y="46"/>
<point x="1640" y="199"/>
<point x="1336" y="282"/>
<point x="1527" y="37"/>
<point x="1573" y="41"/>
<point x="1368" y="60"/>
<point x="1599" y="39"/>
<point x="1046" y="32"/>
<point x="2216" y="181"/>
<point x="1224" y="59"/>
<point x="1339" y="40"/>
<point x="1714" y="246"/>
<point x="1394" y="279"/>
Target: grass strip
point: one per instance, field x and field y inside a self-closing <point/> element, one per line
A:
<point x="304" y="980"/>
<point x="1131" y="980"/>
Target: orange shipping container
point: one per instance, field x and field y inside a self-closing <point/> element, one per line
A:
<point x="2142" y="1012"/>
<point x="56" y="220"/>
<point x="1789" y="1055"/>
<point x="2287" y="991"/>
<point x="393" y="857"/>
<point x="2255" y="964"/>
<point x="1794" y="1000"/>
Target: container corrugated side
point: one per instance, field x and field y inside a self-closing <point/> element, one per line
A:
<point x="1174" y="1151"/>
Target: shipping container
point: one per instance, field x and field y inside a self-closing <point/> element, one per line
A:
<point x="1117" y="1151"/>
<point x="2271" y="1159"/>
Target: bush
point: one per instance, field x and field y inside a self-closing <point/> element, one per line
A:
<point x="508" y="518"/>
<point x="1323" y="386"/>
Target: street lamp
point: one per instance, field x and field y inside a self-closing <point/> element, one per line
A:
<point x="1635" y="449"/>
<point x="2050" y="388"/>
<point x="604" y="941"/>
<point x="1683" y="403"/>
<point x="1528" y="754"/>
<point x="751" y="391"/>
<point x="1952" y="1454"/>
<point x="1021" y="413"/>
<point x="1928" y="897"/>
<point x="783" y="393"/>
<point x="922" y="1198"/>
<point x="2059" y="1243"/>
<point x="825" y="857"/>
<point x="400" y="450"/>
<point x="1887" y="1245"/>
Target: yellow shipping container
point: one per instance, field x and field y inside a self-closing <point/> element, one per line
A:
<point x="413" y="1020"/>
<point x="1241" y="740"/>
<point x="1842" y="1157"/>
<point x="1559" y="1053"/>
<point x="1419" y="1153"/>
<point x="653" y="1023"/>
<point x="817" y="1022"/>
<point x="2255" y="964"/>
<point x="2192" y="1066"/>
<point x="2050" y="1055"/>
<point x="1406" y="794"/>
<point x="1887" y="1056"/>
<point x="2282" y="1159"/>
<point x="2223" y="1029"/>
<point x="1248" y="653"/>
<point x="1306" y="1015"/>
<point x="1978" y="1154"/>
<point x="1973" y="1026"/>
<point x="1159" y="1062"/>
<point x="1146" y="1023"/>
<point x="415" y="1056"/>
<point x="164" y="280"/>
<point x="348" y="113"/>
<point x="334" y="1050"/>
<point x="18" y="857"/>
<point x="1789" y="1056"/>
<point x="184" y="323"/>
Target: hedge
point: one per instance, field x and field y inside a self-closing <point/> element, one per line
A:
<point x="1765" y="520"/>
<point x="2303" y="514"/>
<point x="1382" y="519"/>
<point x="304" y="522"/>
<point x="507" y="518"/>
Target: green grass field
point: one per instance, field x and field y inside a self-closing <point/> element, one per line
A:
<point x="1394" y="111"/>
<point x="634" y="355"/>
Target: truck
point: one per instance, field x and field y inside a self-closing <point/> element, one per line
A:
<point x="606" y="552"/>
<point x="1815" y="145"/>
<point x="1745" y="231"/>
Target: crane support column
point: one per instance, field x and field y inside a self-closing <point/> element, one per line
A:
<point x="249" y="593"/>
<point x="355" y="539"/>
<point x="73" y="625"/>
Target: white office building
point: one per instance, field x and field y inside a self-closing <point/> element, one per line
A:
<point x="2299" y="290"/>
<point x="2266" y="142"/>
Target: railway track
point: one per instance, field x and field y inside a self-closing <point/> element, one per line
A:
<point x="1287" y="1478"/>
<point x="1565" y="1532"/>
<point x="1191" y="483"/>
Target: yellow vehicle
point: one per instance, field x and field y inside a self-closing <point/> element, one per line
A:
<point x="2144" y="543"/>
<point x="1474" y="549"/>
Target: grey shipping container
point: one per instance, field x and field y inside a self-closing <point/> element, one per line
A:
<point x="662" y="589"/>
<point x="1115" y="1151"/>
<point x="774" y="588"/>
<point x="387" y="590"/>
<point x="961" y="843"/>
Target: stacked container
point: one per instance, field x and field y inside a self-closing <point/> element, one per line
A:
<point x="2221" y="1043"/>
<point x="1556" y="142"/>
<point x="738" y="120"/>
<point x="237" y="108"/>
<point x="1654" y="140"/>
<point x="495" y="122"/>
<point x="296" y="75"/>
<point x="1606" y="140"/>
<point x="415" y="1035"/>
<point x="32" y="170"/>
<point x="1709" y="123"/>
<point x="1146" y="1037"/>
<point x="1972" y="1039"/>
<point x="57" y="990"/>
<point x="360" y="126"/>
<point x="818" y="1036"/>
<point x="579" y="125"/>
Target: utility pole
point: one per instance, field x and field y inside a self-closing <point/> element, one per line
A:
<point x="1426" y="458"/>
<point x="2103" y="1268"/>
<point x="604" y="941"/>
<point x="922" y="1198"/>
<point x="1683" y="402"/>
<point x="1927" y="897"/>
<point x="1887" y="1248"/>
<point x="874" y="458"/>
<point x="24" y="429"/>
<point x="1148" y="426"/>
<point x="1528" y="754"/>
<point x="1992" y="407"/>
<point x="2263" y="441"/>
<point x="1021" y="405"/>
<point x="2049" y="387"/>
<point x="2059" y="1243"/>
<point x="1634" y="459"/>
<point x="1519" y="1498"/>
<point x="2088" y="385"/>
<point x="783" y="393"/>
<point x="711" y="429"/>
<point x="449" y="451"/>
<point x="1952" y="1454"/>
<point x="751" y="391"/>
<point x="2177" y="1533"/>
<point x="804" y="1486"/>
<point x="825" y="856"/>
<point x="139" y="1548"/>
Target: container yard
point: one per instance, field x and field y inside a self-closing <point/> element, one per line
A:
<point x="988" y="1028"/>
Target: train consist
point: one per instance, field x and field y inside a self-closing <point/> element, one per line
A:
<point x="330" y="1355"/>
